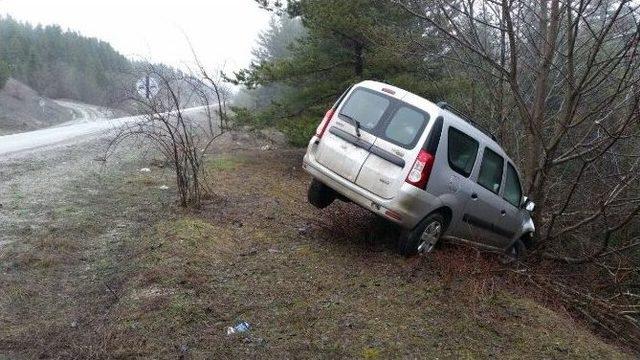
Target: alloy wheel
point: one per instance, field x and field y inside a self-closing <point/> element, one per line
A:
<point x="429" y="237"/>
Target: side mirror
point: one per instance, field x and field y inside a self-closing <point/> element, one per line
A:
<point x="528" y="204"/>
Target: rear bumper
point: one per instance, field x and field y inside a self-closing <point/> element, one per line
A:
<point x="407" y="208"/>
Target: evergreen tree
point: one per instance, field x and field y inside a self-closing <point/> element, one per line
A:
<point x="345" y="42"/>
<point x="5" y="72"/>
<point x="273" y="44"/>
<point x="60" y="64"/>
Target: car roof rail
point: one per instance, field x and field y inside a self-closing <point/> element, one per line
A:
<point x="444" y="105"/>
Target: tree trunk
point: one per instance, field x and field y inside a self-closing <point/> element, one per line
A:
<point x="358" y="60"/>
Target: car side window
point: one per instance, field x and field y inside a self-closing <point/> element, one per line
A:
<point x="512" y="189"/>
<point x="491" y="168"/>
<point x="462" y="151"/>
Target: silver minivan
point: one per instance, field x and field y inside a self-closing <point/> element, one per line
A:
<point x="421" y="165"/>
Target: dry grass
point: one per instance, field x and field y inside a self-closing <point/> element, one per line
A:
<point x="152" y="280"/>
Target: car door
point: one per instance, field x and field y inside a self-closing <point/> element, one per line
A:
<point x="395" y="148"/>
<point x="511" y="220"/>
<point x="454" y="170"/>
<point x="345" y="146"/>
<point x="482" y="212"/>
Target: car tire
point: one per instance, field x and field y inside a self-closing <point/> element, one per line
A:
<point x="423" y="238"/>
<point x="320" y="195"/>
<point x="516" y="252"/>
<point x="528" y="240"/>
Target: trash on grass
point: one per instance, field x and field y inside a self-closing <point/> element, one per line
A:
<point x="145" y="170"/>
<point x="163" y="187"/>
<point x="303" y="230"/>
<point x="239" y="328"/>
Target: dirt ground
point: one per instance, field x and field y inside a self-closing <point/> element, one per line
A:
<point x="23" y="109"/>
<point x="98" y="261"/>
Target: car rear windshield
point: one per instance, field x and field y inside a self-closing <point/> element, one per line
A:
<point x="405" y="125"/>
<point x="366" y="107"/>
<point x="385" y="116"/>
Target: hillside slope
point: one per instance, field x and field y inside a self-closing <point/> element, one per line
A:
<point x="23" y="109"/>
<point x="104" y="264"/>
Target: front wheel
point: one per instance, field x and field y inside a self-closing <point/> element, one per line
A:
<point x="320" y="195"/>
<point x="517" y="251"/>
<point x="423" y="238"/>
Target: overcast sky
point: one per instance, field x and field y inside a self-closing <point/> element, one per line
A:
<point x="223" y="32"/>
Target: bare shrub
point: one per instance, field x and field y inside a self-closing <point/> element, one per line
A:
<point x="558" y="80"/>
<point x="181" y="121"/>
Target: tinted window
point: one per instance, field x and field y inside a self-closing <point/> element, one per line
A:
<point x="490" y="175"/>
<point x="462" y="152"/>
<point x="365" y="107"/>
<point x="405" y="124"/>
<point x="512" y="190"/>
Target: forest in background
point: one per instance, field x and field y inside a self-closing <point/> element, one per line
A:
<point x="555" y="80"/>
<point x="61" y="64"/>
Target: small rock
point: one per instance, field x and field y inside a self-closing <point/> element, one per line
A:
<point x="74" y="324"/>
<point x="249" y="253"/>
<point x="274" y="251"/>
<point x="237" y="223"/>
<point x="145" y="170"/>
<point x="265" y="148"/>
<point x="274" y="136"/>
<point x="163" y="187"/>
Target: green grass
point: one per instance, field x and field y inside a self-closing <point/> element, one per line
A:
<point x="225" y="163"/>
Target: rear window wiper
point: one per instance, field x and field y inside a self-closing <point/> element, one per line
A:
<point x="355" y="122"/>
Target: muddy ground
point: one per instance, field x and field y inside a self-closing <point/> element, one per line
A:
<point x="98" y="261"/>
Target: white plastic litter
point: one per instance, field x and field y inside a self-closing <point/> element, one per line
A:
<point x="239" y="328"/>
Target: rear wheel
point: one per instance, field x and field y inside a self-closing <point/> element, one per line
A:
<point x="320" y="195"/>
<point x="423" y="238"/>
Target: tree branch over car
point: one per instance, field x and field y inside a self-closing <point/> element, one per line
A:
<point x="556" y="80"/>
<point x="572" y="73"/>
<point x="571" y="70"/>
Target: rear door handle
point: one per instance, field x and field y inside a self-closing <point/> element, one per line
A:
<point x="474" y="196"/>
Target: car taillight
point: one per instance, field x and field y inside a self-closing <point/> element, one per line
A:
<point x="325" y="121"/>
<point x="419" y="174"/>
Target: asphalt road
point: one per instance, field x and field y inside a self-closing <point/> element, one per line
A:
<point x="91" y="125"/>
<point x="84" y="112"/>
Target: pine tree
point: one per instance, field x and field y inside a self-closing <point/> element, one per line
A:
<point x="59" y="63"/>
